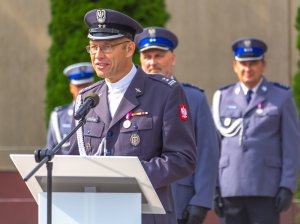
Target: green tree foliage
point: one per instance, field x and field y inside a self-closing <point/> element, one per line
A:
<point x="296" y="79"/>
<point x="69" y="37"/>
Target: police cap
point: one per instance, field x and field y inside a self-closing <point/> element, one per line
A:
<point x="105" y="24"/>
<point x="156" y="38"/>
<point x="80" y="73"/>
<point x="249" y="49"/>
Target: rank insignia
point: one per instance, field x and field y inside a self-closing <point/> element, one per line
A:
<point x="183" y="112"/>
<point x="138" y="90"/>
<point x="135" y="138"/>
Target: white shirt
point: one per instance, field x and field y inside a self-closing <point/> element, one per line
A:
<point x="245" y="88"/>
<point x="117" y="90"/>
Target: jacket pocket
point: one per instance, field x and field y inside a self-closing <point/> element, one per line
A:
<point x="93" y="129"/>
<point x="138" y="124"/>
<point x="137" y="136"/>
<point x="271" y="162"/>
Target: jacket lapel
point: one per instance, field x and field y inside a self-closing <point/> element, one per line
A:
<point x="239" y="98"/>
<point x="102" y="109"/>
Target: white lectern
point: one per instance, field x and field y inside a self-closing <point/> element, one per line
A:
<point x="92" y="189"/>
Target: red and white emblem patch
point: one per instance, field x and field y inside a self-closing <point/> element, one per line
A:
<point x="183" y="112"/>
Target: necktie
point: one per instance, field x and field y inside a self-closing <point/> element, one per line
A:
<point x="248" y="95"/>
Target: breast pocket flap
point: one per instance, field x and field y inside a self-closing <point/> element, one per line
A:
<point x="93" y="129"/>
<point x="272" y="112"/>
<point x="138" y="124"/>
<point x="272" y="162"/>
<point x="231" y="113"/>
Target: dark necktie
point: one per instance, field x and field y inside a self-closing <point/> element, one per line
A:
<point x="249" y="95"/>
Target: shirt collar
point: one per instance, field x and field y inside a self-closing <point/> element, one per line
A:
<point x="254" y="89"/>
<point x="125" y="81"/>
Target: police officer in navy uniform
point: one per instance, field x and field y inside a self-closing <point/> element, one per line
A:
<point x="259" y="125"/>
<point x="81" y="75"/>
<point x="138" y="114"/>
<point x="193" y="195"/>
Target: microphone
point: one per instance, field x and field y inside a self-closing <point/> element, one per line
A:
<point x="90" y="101"/>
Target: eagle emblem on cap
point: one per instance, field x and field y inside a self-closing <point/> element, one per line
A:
<point x="152" y="32"/>
<point x="247" y="43"/>
<point x="101" y="15"/>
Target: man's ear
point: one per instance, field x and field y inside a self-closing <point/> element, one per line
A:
<point x="130" y="48"/>
<point x="174" y="59"/>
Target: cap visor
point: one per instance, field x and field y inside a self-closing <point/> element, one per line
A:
<point x="104" y="36"/>
<point x="154" y="47"/>
<point x="237" y="58"/>
<point x="82" y="81"/>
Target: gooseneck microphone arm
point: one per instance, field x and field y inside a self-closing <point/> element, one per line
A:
<point x="43" y="156"/>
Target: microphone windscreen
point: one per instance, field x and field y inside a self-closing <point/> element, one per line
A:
<point x="94" y="97"/>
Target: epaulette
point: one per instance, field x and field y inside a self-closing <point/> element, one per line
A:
<point x="160" y="78"/>
<point x="227" y="86"/>
<point x="280" y="85"/>
<point x="91" y="86"/>
<point x="192" y="86"/>
<point x="61" y="107"/>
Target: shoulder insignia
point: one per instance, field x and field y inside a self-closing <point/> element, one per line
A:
<point x="165" y="80"/>
<point x="280" y="85"/>
<point x="192" y="86"/>
<point x="59" y="108"/>
<point x="227" y="86"/>
<point x="91" y="87"/>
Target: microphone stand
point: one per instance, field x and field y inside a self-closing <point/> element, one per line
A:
<point x="43" y="156"/>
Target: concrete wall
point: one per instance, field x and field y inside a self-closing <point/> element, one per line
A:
<point x="24" y="42"/>
<point x="206" y="29"/>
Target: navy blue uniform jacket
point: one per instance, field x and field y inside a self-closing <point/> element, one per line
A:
<point x="166" y="142"/>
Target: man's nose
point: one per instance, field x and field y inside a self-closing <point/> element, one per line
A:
<point x="99" y="53"/>
<point x="151" y="61"/>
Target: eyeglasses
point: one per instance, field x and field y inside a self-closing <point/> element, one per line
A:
<point x="107" y="48"/>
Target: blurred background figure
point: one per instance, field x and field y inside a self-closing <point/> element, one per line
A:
<point x="80" y="75"/>
<point x="259" y="125"/>
<point x="193" y="195"/>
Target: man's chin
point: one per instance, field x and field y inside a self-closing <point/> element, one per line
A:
<point x="155" y="72"/>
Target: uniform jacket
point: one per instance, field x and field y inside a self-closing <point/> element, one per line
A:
<point x="260" y="145"/>
<point x="60" y="125"/>
<point x="162" y="139"/>
<point x="198" y="189"/>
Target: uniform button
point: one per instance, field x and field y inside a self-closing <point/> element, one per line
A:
<point x="88" y="147"/>
<point x="88" y="132"/>
<point x="109" y="134"/>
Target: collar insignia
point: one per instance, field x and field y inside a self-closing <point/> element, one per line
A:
<point x="138" y="90"/>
